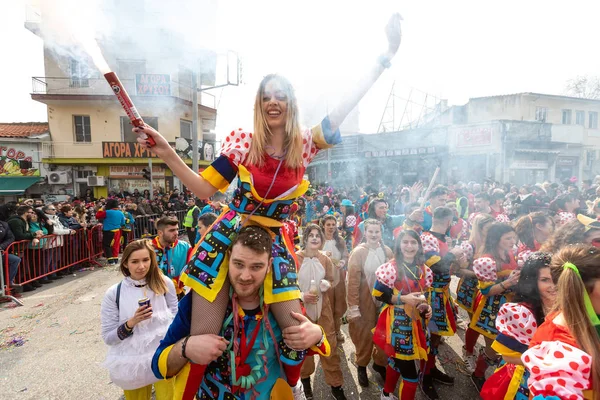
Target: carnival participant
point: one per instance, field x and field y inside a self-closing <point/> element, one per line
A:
<point x="112" y="221"/>
<point x="362" y="308"/>
<point x="497" y="206"/>
<point x="593" y="207"/>
<point x="135" y="316"/>
<point x="564" y="207"/>
<point x="172" y="254"/>
<point x="270" y="163"/>
<point x="564" y="355"/>
<point x="533" y="230"/>
<point x="467" y="289"/>
<point x="378" y="210"/>
<point x="482" y="205"/>
<point x="129" y="224"/>
<point x="497" y="273"/>
<point x="437" y="198"/>
<point x="408" y="222"/>
<point x="335" y="248"/>
<point x="583" y="230"/>
<point x="315" y="278"/>
<point x="459" y="230"/>
<point x="401" y="329"/>
<point x="205" y="221"/>
<point x="535" y="295"/>
<point x="443" y="323"/>
<point x="243" y="362"/>
<point x="349" y="222"/>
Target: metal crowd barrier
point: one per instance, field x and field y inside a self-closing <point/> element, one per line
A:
<point x="145" y="225"/>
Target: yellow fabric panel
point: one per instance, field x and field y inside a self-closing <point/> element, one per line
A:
<point x="245" y="176"/>
<point x="215" y="178"/>
<point x="504" y="351"/>
<point x="181" y="381"/>
<point x="162" y="361"/>
<point x="319" y="138"/>
<point x="432" y="260"/>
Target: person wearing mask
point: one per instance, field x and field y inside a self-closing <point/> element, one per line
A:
<point x="132" y="331"/>
<point x="112" y="221"/>
<point x="172" y="254"/>
<point x="563" y="358"/>
<point x="241" y="361"/>
<point x="443" y="262"/>
<point x="335" y="248"/>
<point x="6" y="239"/>
<point x="534" y="297"/>
<point x="497" y="273"/>
<point x="362" y="307"/>
<point x="402" y="324"/>
<point x="317" y="268"/>
<point x="191" y="220"/>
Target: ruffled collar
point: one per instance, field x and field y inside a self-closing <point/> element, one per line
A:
<point x="132" y="282"/>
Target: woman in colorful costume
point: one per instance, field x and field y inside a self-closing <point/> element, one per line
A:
<point x="315" y="265"/>
<point x="467" y="289"/>
<point x="533" y="230"/>
<point x="496" y="270"/>
<point x="535" y="295"/>
<point x="564" y="355"/>
<point x="363" y="309"/>
<point x="269" y="163"/>
<point x="402" y="325"/>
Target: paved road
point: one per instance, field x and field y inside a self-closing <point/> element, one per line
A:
<point x="62" y="351"/>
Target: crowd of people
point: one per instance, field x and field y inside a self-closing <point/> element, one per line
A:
<point x="262" y="287"/>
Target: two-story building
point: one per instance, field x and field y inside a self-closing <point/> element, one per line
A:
<point x="91" y="134"/>
<point x="519" y="138"/>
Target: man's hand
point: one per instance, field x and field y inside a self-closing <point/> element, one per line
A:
<point x="413" y="299"/>
<point x="415" y="191"/>
<point x="204" y="349"/>
<point x="416" y="215"/>
<point x="303" y="336"/>
<point x="72" y="232"/>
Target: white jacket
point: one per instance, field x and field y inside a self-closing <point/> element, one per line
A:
<point x="59" y="230"/>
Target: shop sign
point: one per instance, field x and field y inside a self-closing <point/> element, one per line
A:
<point x="529" y="164"/>
<point x="129" y="185"/>
<point x="126" y="150"/>
<point x="401" y="152"/>
<point x="566" y="161"/>
<point x="153" y="84"/>
<point x="10" y="157"/>
<point x="134" y="171"/>
<point x="474" y="137"/>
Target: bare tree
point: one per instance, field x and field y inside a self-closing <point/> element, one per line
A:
<point x="587" y="87"/>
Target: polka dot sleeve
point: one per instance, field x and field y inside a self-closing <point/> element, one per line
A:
<point x="430" y="243"/>
<point x="517" y="322"/>
<point x="485" y="269"/>
<point x="468" y="249"/>
<point x="386" y="274"/>
<point x="557" y="369"/>
<point x="236" y="146"/>
<point x="428" y="277"/>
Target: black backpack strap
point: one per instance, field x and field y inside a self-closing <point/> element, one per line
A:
<point x="118" y="294"/>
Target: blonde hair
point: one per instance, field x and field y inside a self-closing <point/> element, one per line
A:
<point x="154" y="277"/>
<point x="476" y="234"/>
<point x="293" y="134"/>
<point x="570" y="302"/>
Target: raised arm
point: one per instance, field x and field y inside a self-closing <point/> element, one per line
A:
<point x="196" y="183"/>
<point x="351" y="99"/>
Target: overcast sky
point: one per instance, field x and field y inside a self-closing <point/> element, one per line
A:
<point x="450" y="49"/>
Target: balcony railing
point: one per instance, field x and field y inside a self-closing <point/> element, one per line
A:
<point x="99" y="86"/>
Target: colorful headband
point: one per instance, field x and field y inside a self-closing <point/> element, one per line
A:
<point x="586" y="297"/>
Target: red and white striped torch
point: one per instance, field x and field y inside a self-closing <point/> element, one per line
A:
<point x="132" y="112"/>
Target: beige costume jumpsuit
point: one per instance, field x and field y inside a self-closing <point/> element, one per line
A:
<point x="339" y="281"/>
<point x="361" y="277"/>
<point x="331" y="365"/>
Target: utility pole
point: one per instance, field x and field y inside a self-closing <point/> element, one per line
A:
<point x="194" y="121"/>
<point x="151" y="184"/>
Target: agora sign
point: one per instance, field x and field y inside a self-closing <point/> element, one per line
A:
<point x="126" y="150"/>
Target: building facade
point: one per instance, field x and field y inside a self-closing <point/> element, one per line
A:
<point x="90" y="132"/>
<point x="521" y="138"/>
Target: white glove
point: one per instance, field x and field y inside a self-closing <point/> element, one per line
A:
<point x="324" y="285"/>
<point x="352" y="313"/>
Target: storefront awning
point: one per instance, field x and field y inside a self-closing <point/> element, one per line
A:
<point x="538" y="151"/>
<point x="16" y="185"/>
